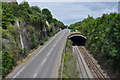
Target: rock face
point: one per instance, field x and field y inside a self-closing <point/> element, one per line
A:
<point x="21" y="38"/>
<point x="25" y="35"/>
<point x="25" y="39"/>
<point x="18" y="41"/>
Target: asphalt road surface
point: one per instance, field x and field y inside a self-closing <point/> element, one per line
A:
<point x="45" y="63"/>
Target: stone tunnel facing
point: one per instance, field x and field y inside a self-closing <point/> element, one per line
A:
<point x="78" y="40"/>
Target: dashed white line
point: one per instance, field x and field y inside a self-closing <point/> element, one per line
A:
<point x="41" y="51"/>
<point x="18" y="72"/>
<point x="47" y="44"/>
<point x="43" y="61"/>
<point x="54" y="45"/>
<point x="35" y="75"/>
<point x="51" y="49"/>
<point x="48" y="54"/>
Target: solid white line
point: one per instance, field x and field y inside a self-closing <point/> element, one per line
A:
<point x="15" y="70"/>
<point x="18" y="72"/>
<point x="35" y="75"/>
<point x="41" y="51"/>
<point x="43" y="61"/>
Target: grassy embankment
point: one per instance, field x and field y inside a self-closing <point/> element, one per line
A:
<point x="69" y="63"/>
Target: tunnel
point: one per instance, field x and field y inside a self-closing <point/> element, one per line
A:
<point x="78" y="39"/>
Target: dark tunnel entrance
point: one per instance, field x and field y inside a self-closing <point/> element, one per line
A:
<point x="78" y="40"/>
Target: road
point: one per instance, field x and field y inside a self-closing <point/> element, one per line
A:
<point x="45" y="63"/>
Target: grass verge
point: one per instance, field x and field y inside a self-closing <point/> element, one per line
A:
<point x="69" y="63"/>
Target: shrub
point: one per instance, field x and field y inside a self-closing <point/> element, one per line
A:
<point x="7" y="62"/>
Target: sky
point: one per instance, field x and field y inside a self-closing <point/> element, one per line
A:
<point x="69" y="0"/>
<point x="71" y="12"/>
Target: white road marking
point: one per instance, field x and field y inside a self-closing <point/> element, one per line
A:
<point x="48" y="54"/>
<point x="54" y="45"/>
<point x="15" y="70"/>
<point x="51" y="50"/>
<point x="35" y="75"/>
<point x="19" y="72"/>
<point x="47" y="44"/>
<point x="43" y="61"/>
<point x="42" y="50"/>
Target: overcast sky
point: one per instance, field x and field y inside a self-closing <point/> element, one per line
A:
<point x="69" y="0"/>
<point x="71" y="12"/>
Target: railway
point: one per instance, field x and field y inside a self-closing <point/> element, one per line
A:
<point x="88" y="69"/>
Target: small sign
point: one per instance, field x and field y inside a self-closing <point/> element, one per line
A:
<point x="71" y="30"/>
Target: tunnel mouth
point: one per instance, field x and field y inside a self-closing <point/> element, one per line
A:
<point x="78" y="40"/>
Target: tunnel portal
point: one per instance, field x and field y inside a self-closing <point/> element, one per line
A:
<point x="78" y="39"/>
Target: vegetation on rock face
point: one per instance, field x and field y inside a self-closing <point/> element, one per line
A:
<point x="103" y="37"/>
<point x="29" y="23"/>
<point x="7" y="62"/>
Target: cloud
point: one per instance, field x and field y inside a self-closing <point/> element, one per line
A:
<point x="70" y="0"/>
<point x="71" y="12"/>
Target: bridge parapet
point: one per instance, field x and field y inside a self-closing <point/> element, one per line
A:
<point x="78" y="39"/>
<point x="72" y="34"/>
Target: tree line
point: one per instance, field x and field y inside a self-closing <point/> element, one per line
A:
<point x="103" y="38"/>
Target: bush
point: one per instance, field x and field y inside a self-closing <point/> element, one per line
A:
<point x="7" y="62"/>
<point x="42" y="42"/>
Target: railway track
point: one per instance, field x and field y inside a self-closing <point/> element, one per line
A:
<point x="92" y="66"/>
<point x="85" y="72"/>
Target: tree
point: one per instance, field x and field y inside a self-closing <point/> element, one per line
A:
<point x="36" y="9"/>
<point x="102" y="37"/>
<point x="48" y="14"/>
<point x="7" y="15"/>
